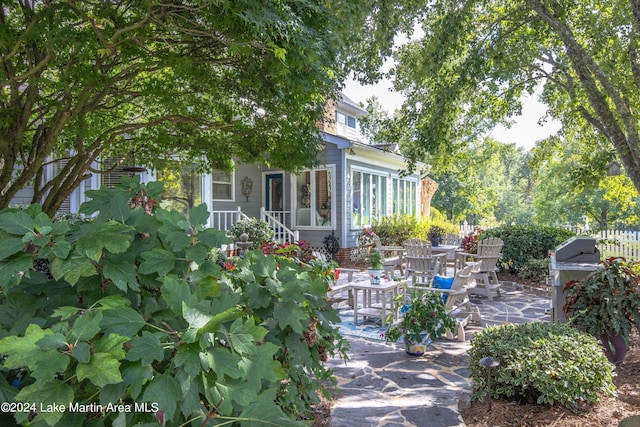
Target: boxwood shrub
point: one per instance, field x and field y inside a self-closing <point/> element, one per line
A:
<point x="524" y="243"/>
<point x="543" y="363"/>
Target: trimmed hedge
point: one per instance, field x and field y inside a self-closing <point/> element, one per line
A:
<point x="543" y="363"/>
<point x="524" y="243"/>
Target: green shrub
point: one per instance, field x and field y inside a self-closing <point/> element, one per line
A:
<point x="541" y="363"/>
<point x="258" y="231"/>
<point x="394" y="230"/>
<point x="135" y="308"/>
<point x="535" y="270"/>
<point x="523" y="243"/>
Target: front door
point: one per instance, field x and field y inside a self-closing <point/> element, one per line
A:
<point x="274" y="192"/>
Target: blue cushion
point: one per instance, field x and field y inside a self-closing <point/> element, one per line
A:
<point x="440" y="282"/>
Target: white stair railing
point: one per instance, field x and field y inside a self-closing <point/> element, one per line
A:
<point x="224" y="220"/>
<point x="276" y="220"/>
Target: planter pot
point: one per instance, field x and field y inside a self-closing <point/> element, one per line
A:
<point x="375" y="275"/>
<point x="416" y="348"/>
<point x="615" y="348"/>
<point x="435" y="241"/>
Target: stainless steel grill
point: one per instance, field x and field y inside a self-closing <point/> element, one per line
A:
<point x="574" y="259"/>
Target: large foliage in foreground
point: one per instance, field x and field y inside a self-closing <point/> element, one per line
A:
<point x="543" y="363"/>
<point x="131" y="308"/>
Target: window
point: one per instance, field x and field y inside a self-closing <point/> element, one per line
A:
<point x="345" y="124"/>
<point x="314" y="198"/>
<point x="222" y="185"/>
<point x="368" y="196"/>
<point x="404" y="196"/>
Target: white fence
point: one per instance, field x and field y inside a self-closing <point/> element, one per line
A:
<point x="619" y="243"/>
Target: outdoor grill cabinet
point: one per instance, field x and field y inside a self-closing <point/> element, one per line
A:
<point x="573" y="259"/>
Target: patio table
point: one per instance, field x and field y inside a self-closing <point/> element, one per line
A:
<point x="376" y="299"/>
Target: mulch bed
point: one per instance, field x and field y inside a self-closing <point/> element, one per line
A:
<point x="608" y="412"/>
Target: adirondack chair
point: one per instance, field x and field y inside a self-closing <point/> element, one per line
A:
<point x="421" y="263"/>
<point x="457" y="303"/>
<point x="393" y="256"/>
<point x="487" y="257"/>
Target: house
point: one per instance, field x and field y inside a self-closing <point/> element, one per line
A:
<point x="355" y="184"/>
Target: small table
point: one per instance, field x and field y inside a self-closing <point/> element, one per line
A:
<point x="378" y="306"/>
<point x="449" y="251"/>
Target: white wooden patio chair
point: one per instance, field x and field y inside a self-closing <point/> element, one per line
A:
<point x="421" y="263"/>
<point x="392" y="256"/>
<point x="487" y="258"/>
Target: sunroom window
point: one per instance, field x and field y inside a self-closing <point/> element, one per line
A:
<point x="314" y="198"/>
<point x="369" y="197"/>
<point x="404" y="196"/>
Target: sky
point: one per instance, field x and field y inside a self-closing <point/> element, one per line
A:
<point x="524" y="132"/>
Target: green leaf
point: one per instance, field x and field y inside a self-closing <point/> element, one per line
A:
<point x="120" y="268"/>
<point x="12" y="268"/>
<point x="7" y="391"/>
<point x="111" y="235"/>
<point x="213" y="325"/>
<point x="72" y="269"/>
<point x="224" y="362"/>
<point x="47" y="394"/>
<point x="10" y="246"/>
<point x="188" y="356"/>
<point x="199" y="215"/>
<point x="112" y="301"/>
<point x="65" y="313"/>
<point x="123" y="321"/>
<point x="146" y="348"/>
<point x="61" y="248"/>
<point x="111" y="344"/>
<point x="265" y="411"/>
<point x="244" y="334"/>
<point x="208" y="287"/>
<point x="165" y="391"/>
<point x="288" y="313"/>
<point x="86" y="326"/>
<point x="82" y="352"/>
<point x="135" y="376"/>
<point x="101" y="370"/>
<point x="262" y="364"/>
<point x="175" y="292"/>
<point x="25" y="352"/>
<point x="16" y="222"/>
<point x="158" y="261"/>
<point x="52" y="341"/>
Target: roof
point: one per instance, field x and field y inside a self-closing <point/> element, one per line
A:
<point x="347" y="103"/>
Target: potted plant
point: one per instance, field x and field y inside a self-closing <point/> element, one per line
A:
<point x="375" y="268"/>
<point x="606" y="304"/>
<point x="424" y="318"/>
<point x="435" y="235"/>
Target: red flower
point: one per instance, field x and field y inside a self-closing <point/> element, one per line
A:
<point x="229" y="266"/>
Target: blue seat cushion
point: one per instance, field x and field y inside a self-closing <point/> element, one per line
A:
<point x="440" y="282"/>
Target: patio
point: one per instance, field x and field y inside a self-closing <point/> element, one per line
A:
<point x="381" y="385"/>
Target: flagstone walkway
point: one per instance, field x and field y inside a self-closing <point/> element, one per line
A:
<point x="383" y="386"/>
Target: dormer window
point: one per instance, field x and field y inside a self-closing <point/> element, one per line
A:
<point x="346" y="125"/>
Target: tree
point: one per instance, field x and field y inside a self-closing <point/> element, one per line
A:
<point x="211" y="81"/>
<point x="478" y="58"/>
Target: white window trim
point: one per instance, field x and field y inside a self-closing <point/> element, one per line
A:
<point x="388" y="190"/>
<point x="294" y="199"/>
<point x="233" y="187"/>
<point x="416" y="196"/>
